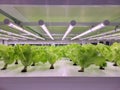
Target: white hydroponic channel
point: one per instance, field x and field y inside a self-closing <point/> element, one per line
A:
<point x="63" y="68"/>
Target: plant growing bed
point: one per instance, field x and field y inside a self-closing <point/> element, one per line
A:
<point x="84" y="56"/>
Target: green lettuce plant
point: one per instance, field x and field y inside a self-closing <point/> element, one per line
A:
<point x="89" y="55"/>
<point x="7" y="54"/>
<point x="115" y="48"/>
<point x="25" y="55"/>
<point x="84" y="57"/>
<point x="72" y="52"/>
<point x="52" y="56"/>
<point x="39" y="54"/>
<point x="105" y="54"/>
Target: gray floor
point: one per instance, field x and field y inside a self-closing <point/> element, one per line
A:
<point x="63" y="68"/>
<point x="60" y="83"/>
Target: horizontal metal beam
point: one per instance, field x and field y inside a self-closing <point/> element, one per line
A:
<point x="65" y="23"/>
<point x="51" y="42"/>
<point x="61" y="2"/>
<point x="41" y="42"/>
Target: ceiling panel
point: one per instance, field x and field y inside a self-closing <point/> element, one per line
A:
<point x="32" y="13"/>
<point x="67" y="13"/>
<point x="2" y="17"/>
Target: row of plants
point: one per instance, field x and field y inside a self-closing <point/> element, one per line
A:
<point x="81" y="55"/>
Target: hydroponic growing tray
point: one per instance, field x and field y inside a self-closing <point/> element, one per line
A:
<point x="63" y="68"/>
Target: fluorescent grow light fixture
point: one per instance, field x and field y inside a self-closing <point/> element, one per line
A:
<point x="71" y="26"/>
<point x="102" y="34"/>
<point x="101" y="38"/>
<point x="11" y="37"/>
<point x="43" y="26"/>
<point x="10" y="24"/>
<point x="114" y="35"/>
<point x="4" y="38"/>
<point x="107" y="36"/>
<point x="14" y="34"/>
<point x="99" y="26"/>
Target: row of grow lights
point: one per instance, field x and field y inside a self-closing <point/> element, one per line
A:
<point x="44" y="27"/>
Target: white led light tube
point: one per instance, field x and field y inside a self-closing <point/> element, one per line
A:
<point x="3" y="35"/>
<point x="99" y="26"/>
<point x="10" y="24"/>
<point x="4" y="38"/>
<point x="71" y="26"/>
<point x="14" y="34"/>
<point x="43" y="26"/>
<point x="102" y="34"/>
<point x="46" y="30"/>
